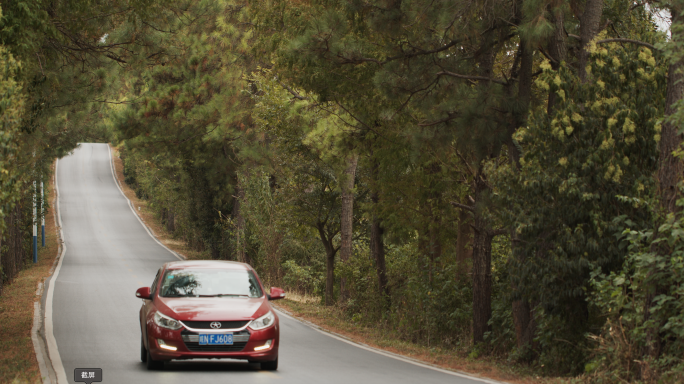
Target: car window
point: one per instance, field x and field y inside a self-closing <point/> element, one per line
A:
<point x="209" y="283"/>
<point x="154" y="283"/>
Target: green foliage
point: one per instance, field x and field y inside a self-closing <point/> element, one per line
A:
<point x="11" y="103"/>
<point x="621" y="297"/>
<point x="589" y="162"/>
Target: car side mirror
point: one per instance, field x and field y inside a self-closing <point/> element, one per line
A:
<point x="276" y="293"/>
<point x="143" y="293"/>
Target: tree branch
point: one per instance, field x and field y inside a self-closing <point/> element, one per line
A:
<point x="450" y="117"/>
<point x="632" y="41"/>
<point x="463" y="206"/>
<point x="447" y="73"/>
<point x="498" y="232"/>
<point x="620" y="40"/>
<point x="292" y="91"/>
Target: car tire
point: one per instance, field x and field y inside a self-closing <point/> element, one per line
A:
<point x="153" y="365"/>
<point x="143" y="350"/>
<point x="270" y="365"/>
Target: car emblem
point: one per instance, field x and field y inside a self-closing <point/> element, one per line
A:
<point x="215" y="325"/>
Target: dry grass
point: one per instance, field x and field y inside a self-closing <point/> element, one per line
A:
<point x="333" y="320"/>
<point x="147" y="215"/>
<point x="18" y="362"/>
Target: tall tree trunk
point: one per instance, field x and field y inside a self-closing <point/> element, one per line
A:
<point x="330" y="252"/>
<point x="377" y="246"/>
<point x="482" y="248"/>
<point x="1" y="273"/>
<point x="464" y="240"/>
<point x="523" y="318"/>
<point x="558" y="49"/>
<point x="670" y="168"/>
<point x="670" y="171"/>
<point x="482" y="266"/>
<point x="239" y="220"/>
<point x="589" y="27"/>
<point x="347" y="219"/>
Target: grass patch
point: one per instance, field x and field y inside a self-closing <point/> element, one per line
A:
<point x="333" y="319"/>
<point x="18" y="362"/>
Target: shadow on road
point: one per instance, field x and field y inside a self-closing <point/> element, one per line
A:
<point x="209" y="366"/>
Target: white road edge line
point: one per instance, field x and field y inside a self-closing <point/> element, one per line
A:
<point x="53" y="351"/>
<point x="130" y="205"/>
<point x="386" y="353"/>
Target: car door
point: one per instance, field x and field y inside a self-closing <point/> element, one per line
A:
<point x="148" y="306"/>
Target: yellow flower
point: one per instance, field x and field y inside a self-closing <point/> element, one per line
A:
<point x="625" y="160"/>
<point x="609" y="172"/>
<point x="542" y="84"/>
<point x="611" y="121"/>
<point x="629" y="126"/>
<point x="616" y="61"/>
<point x="601" y="84"/>
<point x="576" y="117"/>
<point x="545" y="65"/>
<point x="607" y="143"/>
<point x="617" y="174"/>
<point x="557" y="80"/>
<point x="561" y="93"/>
<point x="563" y="161"/>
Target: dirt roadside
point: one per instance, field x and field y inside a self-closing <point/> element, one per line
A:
<point x="18" y="362"/>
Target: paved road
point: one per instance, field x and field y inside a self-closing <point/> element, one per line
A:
<point x="95" y="313"/>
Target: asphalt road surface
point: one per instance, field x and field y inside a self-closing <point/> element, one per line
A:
<point x="109" y="255"/>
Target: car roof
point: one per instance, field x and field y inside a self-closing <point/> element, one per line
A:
<point x="208" y="264"/>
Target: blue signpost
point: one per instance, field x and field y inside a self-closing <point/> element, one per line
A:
<point x="35" y="225"/>
<point x="42" y="213"/>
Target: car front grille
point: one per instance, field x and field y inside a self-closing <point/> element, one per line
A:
<point x="224" y="324"/>
<point x="191" y="340"/>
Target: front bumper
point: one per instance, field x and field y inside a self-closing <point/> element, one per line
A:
<point x="187" y="348"/>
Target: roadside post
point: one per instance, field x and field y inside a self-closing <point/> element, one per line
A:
<point x="42" y="212"/>
<point x="35" y="225"/>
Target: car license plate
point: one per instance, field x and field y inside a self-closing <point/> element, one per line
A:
<point x="216" y="339"/>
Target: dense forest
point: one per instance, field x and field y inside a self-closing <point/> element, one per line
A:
<point x="496" y="176"/>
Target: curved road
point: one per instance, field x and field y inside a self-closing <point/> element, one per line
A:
<point x="109" y="255"/>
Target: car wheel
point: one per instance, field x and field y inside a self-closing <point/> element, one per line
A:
<point x="269" y="365"/>
<point x="153" y="364"/>
<point x="143" y="351"/>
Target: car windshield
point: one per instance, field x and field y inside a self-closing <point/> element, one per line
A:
<point x="209" y="283"/>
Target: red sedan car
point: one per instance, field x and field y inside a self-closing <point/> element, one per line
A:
<point x="208" y="309"/>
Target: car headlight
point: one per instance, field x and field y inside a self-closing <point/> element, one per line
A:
<point x="264" y="321"/>
<point x="166" y="322"/>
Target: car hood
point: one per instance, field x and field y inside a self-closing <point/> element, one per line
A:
<point x="213" y="308"/>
